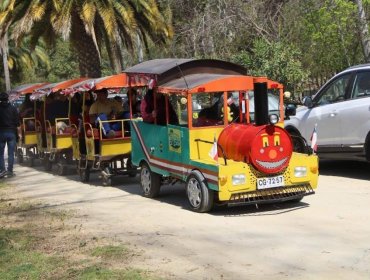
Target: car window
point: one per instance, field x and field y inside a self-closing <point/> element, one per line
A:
<point x="362" y="85"/>
<point x="334" y="92"/>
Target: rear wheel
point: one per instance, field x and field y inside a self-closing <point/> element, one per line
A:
<point x="150" y="182"/>
<point x="107" y="175"/>
<point x="61" y="169"/>
<point x="31" y="158"/>
<point x="19" y="155"/>
<point x="201" y="198"/>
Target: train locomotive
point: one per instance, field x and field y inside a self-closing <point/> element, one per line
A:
<point x="223" y="156"/>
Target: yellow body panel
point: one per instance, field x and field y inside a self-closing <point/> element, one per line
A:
<point x="198" y="149"/>
<point x="63" y="142"/>
<point x="226" y="189"/>
<point x="115" y="147"/>
<point x="30" y="138"/>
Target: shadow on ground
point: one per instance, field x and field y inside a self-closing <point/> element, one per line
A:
<point x="348" y="169"/>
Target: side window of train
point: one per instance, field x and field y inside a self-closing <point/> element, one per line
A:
<point x="179" y="104"/>
<point x="361" y="86"/>
<point x="334" y="92"/>
<point x="207" y="109"/>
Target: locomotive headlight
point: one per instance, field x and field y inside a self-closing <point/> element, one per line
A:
<point x="238" y="179"/>
<point x="273" y="118"/>
<point x="300" y="171"/>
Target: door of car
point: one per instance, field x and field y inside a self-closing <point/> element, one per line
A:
<point x="325" y="114"/>
<point x="355" y="113"/>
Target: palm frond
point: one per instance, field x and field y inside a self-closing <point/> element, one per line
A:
<point x="62" y="19"/>
<point x="106" y="12"/>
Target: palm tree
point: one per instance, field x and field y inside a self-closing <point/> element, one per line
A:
<point x="4" y="52"/>
<point x="88" y="24"/>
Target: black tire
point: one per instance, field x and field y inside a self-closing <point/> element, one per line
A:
<point x="107" y="181"/>
<point x="48" y="165"/>
<point x="31" y="158"/>
<point x="61" y="169"/>
<point x="84" y="174"/>
<point x="19" y="155"/>
<point x="150" y="182"/>
<point x="298" y="143"/>
<point x="200" y="197"/>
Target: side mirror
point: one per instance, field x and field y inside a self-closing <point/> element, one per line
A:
<point x="290" y="110"/>
<point x="307" y="101"/>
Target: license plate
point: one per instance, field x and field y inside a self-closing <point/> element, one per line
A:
<point x="270" y="182"/>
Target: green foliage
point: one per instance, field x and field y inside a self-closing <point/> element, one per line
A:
<point x="64" y="63"/>
<point x="278" y="61"/>
<point x="329" y="37"/>
<point x="22" y="248"/>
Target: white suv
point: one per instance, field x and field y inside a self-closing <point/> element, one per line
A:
<point x="341" y="110"/>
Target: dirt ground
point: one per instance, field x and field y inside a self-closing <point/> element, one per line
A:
<point x="326" y="236"/>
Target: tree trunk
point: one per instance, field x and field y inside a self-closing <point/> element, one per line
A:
<point x="364" y="30"/>
<point x="4" y="52"/>
<point x="87" y="52"/>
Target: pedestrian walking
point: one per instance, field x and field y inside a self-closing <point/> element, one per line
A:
<point x="9" y="132"/>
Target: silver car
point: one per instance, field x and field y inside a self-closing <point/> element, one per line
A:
<point x="341" y="112"/>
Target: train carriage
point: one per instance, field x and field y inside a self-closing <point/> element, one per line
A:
<point x="94" y="151"/>
<point x="222" y="155"/>
<point x="56" y="126"/>
<point x="27" y="150"/>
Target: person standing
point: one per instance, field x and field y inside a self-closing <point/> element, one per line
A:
<point x="9" y="130"/>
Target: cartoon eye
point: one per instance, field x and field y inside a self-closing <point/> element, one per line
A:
<point x="277" y="140"/>
<point x="265" y="141"/>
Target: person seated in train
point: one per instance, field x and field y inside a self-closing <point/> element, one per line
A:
<point x="210" y="116"/>
<point x="149" y="114"/>
<point x="104" y="109"/>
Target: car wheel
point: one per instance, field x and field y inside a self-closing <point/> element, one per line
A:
<point x="150" y="182"/>
<point x="200" y="197"/>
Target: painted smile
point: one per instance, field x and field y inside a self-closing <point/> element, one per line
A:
<point x="271" y="165"/>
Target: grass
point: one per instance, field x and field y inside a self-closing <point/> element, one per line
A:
<point x="38" y="243"/>
<point x="110" y="252"/>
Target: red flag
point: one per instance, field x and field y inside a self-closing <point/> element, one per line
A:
<point x="213" y="152"/>
<point x="314" y="139"/>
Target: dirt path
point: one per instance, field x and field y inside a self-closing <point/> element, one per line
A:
<point x="324" y="237"/>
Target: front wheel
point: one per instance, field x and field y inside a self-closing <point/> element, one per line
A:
<point x="150" y="182"/>
<point x="200" y="197"/>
